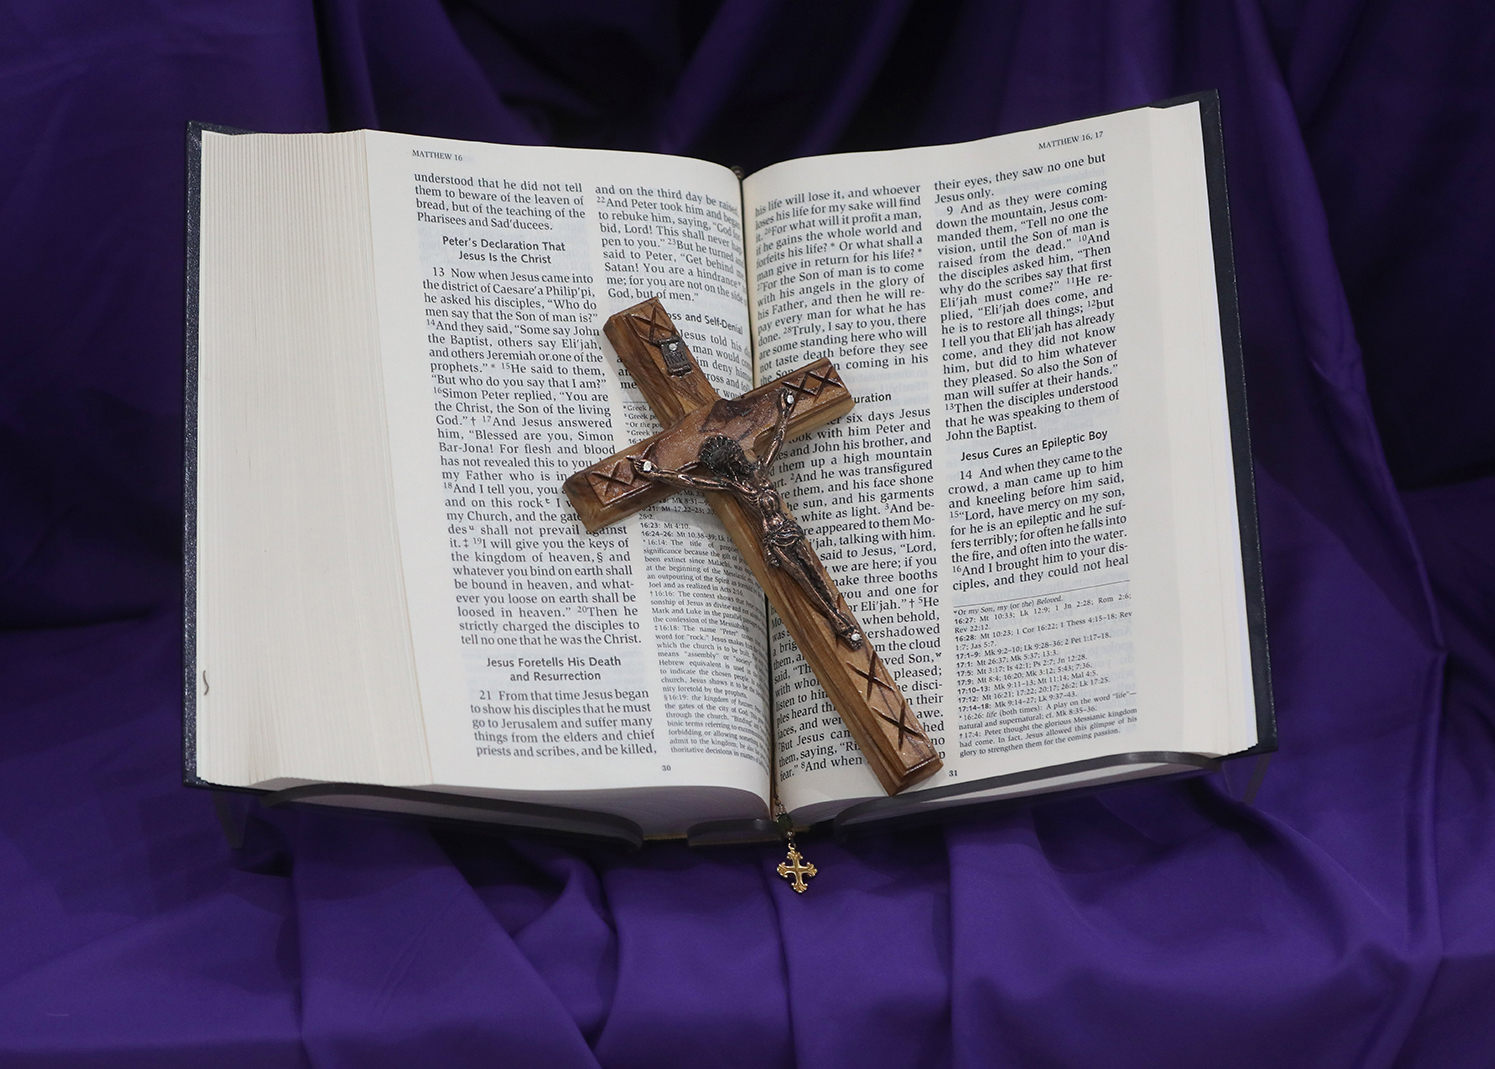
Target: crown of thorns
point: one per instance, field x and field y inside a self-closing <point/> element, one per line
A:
<point x="724" y="456"/>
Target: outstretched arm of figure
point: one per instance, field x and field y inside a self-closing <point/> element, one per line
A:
<point x="787" y="399"/>
<point x="650" y="470"/>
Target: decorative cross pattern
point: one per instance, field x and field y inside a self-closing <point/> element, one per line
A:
<point x="903" y="726"/>
<point x="653" y="330"/>
<point x="813" y="375"/>
<point x="614" y="483"/>
<point x="796" y="869"/>
<point x="664" y="338"/>
<point x="875" y="678"/>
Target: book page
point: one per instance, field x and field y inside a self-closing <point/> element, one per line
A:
<point x="550" y="659"/>
<point x="1003" y="508"/>
<point x="302" y="662"/>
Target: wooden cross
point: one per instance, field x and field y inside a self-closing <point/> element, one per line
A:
<point x="724" y="447"/>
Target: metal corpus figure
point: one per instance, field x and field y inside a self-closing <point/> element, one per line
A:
<point x="783" y="540"/>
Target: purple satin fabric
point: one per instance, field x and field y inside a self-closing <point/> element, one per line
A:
<point x="1345" y="920"/>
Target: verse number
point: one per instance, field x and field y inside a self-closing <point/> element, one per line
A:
<point x="440" y="272"/>
<point x="485" y="695"/>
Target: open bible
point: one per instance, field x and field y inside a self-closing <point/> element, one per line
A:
<point x="1040" y="507"/>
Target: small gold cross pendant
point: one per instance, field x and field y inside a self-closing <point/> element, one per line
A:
<point x="796" y="869"/>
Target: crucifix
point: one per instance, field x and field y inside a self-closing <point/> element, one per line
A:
<point x="725" y="448"/>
